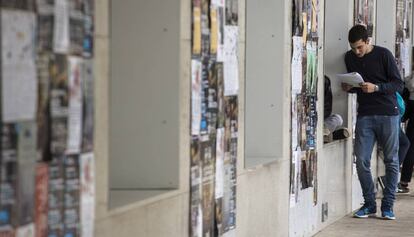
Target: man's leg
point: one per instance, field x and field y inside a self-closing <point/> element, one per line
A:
<point x="364" y="143"/>
<point x="408" y="164"/>
<point x="333" y="122"/>
<point x="387" y="133"/>
<point x="403" y="147"/>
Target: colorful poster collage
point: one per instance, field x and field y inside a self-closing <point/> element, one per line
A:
<point x="214" y="117"/>
<point x="304" y="97"/>
<point x="47" y="114"/>
<point x="364" y="13"/>
<point x="403" y="37"/>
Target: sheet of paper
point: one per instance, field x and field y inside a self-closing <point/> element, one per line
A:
<point x="19" y="74"/>
<point x="196" y="28"/>
<point x="231" y="71"/>
<point x="405" y="57"/>
<point x="219" y="3"/>
<point x="196" y="70"/>
<point x="75" y="105"/>
<point x="294" y="123"/>
<point x="214" y="30"/>
<point x="61" y="40"/>
<point x="297" y="65"/>
<point x="294" y="185"/>
<point x="352" y="78"/>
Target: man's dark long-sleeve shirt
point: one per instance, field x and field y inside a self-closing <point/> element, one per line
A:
<point x="378" y="67"/>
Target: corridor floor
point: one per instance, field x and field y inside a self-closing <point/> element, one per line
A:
<point x="403" y="226"/>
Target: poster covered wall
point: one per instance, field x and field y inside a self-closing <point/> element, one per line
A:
<point x="46" y="115"/>
<point x="304" y="83"/>
<point x="214" y="117"/>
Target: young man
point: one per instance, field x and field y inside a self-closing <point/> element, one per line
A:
<point x="378" y="117"/>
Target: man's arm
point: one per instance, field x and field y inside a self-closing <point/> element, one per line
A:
<point x="395" y="82"/>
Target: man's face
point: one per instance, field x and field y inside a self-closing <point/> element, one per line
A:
<point x="359" y="48"/>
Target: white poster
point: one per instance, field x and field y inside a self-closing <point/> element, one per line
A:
<point x="19" y="76"/>
<point x="61" y="40"/>
<point x="405" y="57"/>
<point x="297" y="65"/>
<point x="294" y="122"/>
<point x="196" y="71"/>
<point x="87" y="196"/>
<point x="231" y="71"/>
<point x="295" y="176"/>
<point x="75" y="105"/>
<point x="219" y="3"/>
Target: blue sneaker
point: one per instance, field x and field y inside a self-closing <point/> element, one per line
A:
<point x="366" y="211"/>
<point x="388" y="215"/>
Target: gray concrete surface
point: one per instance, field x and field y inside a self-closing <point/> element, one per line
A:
<point x="403" y="226"/>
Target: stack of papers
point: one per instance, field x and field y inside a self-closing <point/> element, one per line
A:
<point x="353" y="78"/>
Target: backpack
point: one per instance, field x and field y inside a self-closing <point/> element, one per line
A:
<point x="400" y="103"/>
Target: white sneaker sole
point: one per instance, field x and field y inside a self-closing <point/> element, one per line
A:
<point x="365" y="216"/>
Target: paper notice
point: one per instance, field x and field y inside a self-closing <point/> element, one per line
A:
<point x="19" y="88"/>
<point x="196" y="70"/>
<point x="61" y="40"/>
<point x="214" y="30"/>
<point x="297" y="65"/>
<point x="75" y="105"/>
<point x="197" y="28"/>
<point x="231" y="73"/>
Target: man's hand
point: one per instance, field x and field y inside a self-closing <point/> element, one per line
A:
<point x="367" y="87"/>
<point x="346" y="87"/>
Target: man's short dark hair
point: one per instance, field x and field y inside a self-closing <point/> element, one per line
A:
<point x="358" y="32"/>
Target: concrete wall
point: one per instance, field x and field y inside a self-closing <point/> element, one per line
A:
<point x="265" y="71"/>
<point x="144" y="94"/>
<point x="338" y="20"/>
<point x="386" y="10"/>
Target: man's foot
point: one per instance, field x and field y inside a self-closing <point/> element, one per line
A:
<point x="403" y="188"/>
<point x="388" y="215"/>
<point x="366" y="211"/>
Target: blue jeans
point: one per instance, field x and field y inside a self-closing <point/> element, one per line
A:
<point x="384" y="130"/>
